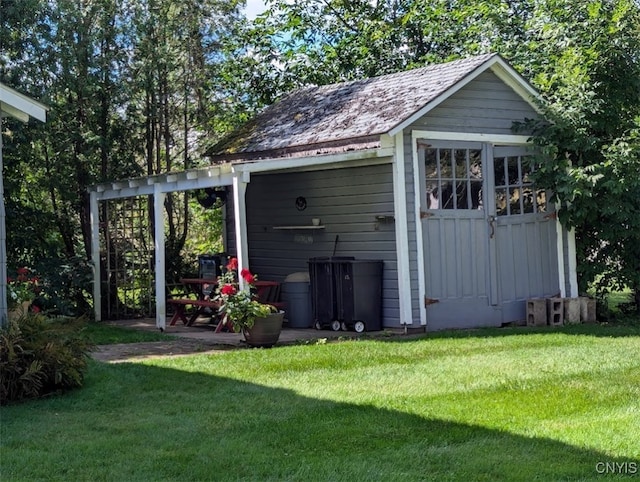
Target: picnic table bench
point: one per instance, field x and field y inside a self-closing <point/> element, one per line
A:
<point x="180" y="309"/>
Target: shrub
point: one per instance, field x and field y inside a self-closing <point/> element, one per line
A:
<point x="40" y="356"/>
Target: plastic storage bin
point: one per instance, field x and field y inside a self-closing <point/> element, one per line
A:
<point x="210" y="265"/>
<point x="346" y="293"/>
<point x="296" y="293"/>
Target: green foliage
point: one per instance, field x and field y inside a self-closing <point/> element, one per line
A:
<point x="590" y="149"/>
<point x="40" y="356"/>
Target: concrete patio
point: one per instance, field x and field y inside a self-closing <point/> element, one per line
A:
<point x="202" y="338"/>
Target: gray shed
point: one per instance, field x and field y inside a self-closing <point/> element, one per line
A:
<point x="420" y="169"/>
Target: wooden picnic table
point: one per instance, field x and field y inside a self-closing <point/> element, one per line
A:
<point x="201" y="289"/>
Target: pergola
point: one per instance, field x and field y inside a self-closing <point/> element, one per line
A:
<point x="19" y="106"/>
<point x="236" y="175"/>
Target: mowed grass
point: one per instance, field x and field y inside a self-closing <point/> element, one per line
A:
<point x="511" y="404"/>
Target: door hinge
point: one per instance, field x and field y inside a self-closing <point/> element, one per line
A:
<point x="430" y="301"/>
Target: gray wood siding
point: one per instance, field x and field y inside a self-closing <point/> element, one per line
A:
<point x="347" y="202"/>
<point x="485" y="105"/>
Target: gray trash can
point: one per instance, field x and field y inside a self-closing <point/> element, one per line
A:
<point x="296" y="293"/>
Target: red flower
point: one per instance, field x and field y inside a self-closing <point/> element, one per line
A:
<point x="247" y="276"/>
<point x="23" y="271"/>
<point x="228" y="290"/>
<point x="233" y="264"/>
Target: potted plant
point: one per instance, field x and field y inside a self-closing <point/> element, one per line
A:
<point x="21" y="291"/>
<point x="260" y="323"/>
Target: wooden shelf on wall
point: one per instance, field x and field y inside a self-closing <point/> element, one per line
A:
<point x="297" y="228"/>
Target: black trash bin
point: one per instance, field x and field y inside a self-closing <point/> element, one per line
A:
<point x="346" y="293"/>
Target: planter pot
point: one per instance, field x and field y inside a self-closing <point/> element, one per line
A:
<point x="19" y="311"/>
<point x="265" y="331"/>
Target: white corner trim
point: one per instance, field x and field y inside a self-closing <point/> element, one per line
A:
<point x="573" y="263"/>
<point x="496" y="139"/>
<point x="402" y="234"/>
<point x="560" y="257"/>
<point x="417" y="187"/>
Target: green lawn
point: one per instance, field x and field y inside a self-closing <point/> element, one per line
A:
<point x="510" y="404"/>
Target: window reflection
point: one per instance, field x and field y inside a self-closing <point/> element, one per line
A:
<point x="514" y="189"/>
<point x="454" y="178"/>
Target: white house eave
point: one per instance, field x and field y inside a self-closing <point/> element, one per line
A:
<point x="20" y="106"/>
<point x="500" y="68"/>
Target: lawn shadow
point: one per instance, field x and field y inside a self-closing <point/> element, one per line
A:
<point x="144" y="422"/>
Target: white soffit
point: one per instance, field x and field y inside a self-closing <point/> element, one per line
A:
<point x="20" y="106"/>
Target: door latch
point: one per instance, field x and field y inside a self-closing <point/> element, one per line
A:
<point x="492" y="224"/>
<point x="430" y="301"/>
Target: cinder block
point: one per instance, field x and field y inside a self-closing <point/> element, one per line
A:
<point x="536" y="312"/>
<point x="571" y="311"/>
<point x="587" y="310"/>
<point x="555" y="311"/>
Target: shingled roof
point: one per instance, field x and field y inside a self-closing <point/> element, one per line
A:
<point x="358" y="111"/>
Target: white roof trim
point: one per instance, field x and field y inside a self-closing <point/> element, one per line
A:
<point x="499" y="67"/>
<point x="496" y="139"/>
<point x="222" y="174"/>
<point x="277" y="164"/>
<point x="20" y="106"/>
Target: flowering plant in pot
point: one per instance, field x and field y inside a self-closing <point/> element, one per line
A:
<point x="240" y="308"/>
<point x="22" y="290"/>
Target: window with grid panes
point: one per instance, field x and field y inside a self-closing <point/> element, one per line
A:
<point x="515" y="191"/>
<point x="454" y="178"/>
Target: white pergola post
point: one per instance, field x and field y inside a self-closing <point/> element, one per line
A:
<point x="161" y="296"/>
<point x="95" y="255"/>
<point x="240" y="181"/>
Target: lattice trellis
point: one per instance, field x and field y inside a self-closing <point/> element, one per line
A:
<point x="128" y="258"/>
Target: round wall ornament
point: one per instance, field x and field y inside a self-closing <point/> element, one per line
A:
<point x="301" y="203"/>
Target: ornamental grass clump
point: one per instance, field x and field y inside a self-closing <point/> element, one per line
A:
<point x="239" y="307"/>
